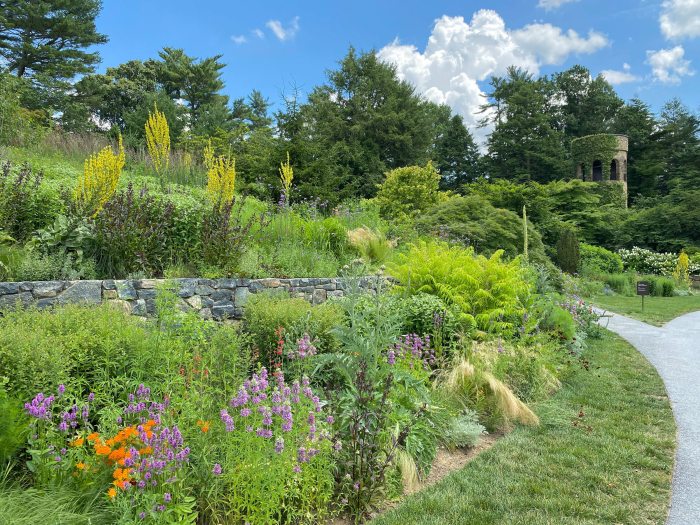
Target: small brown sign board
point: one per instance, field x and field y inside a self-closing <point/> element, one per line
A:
<point x="642" y="288"/>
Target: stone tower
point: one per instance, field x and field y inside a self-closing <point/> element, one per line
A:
<point x="601" y="158"/>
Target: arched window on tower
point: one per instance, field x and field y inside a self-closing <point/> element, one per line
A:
<point x="597" y="171"/>
<point x="614" y="175"/>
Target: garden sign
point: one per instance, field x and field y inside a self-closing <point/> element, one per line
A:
<point x="642" y="289"/>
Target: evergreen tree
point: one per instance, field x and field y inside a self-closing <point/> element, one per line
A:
<point x="568" y="251"/>
<point x="456" y="155"/>
<point x="47" y="38"/>
<point x="524" y="145"/>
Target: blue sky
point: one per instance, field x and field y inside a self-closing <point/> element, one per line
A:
<point x="649" y="49"/>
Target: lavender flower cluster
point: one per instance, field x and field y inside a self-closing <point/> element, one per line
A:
<point x="304" y="349"/>
<point x="267" y="406"/>
<point x="412" y="349"/>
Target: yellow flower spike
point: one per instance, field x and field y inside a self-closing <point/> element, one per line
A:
<point x="101" y="174"/>
<point x="286" y="177"/>
<point x="221" y="179"/>
<point x="158" y="140"/>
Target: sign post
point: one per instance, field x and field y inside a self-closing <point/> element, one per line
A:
<point x="642" y="289"/>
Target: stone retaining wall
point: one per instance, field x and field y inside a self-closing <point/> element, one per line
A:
<point x="212" y="298"/>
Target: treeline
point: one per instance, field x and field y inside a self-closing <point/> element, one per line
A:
<point x="349" y="131"/>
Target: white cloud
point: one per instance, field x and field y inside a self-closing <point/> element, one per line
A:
<point x="553" y="4"/>
<point x="259" y="33"/>
<point x="460" y="54"/>
<point x="239" y="39"/>
<point x="680" y="19"/>
<point x="620" y="77"/>
<point x="668" y="65"/>
<point x="284" y="33"/>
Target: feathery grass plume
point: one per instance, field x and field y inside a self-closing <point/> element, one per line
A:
<point x="409" y="471"/>
<point x="221" y="179"/>
<point x="372" y="245"/>
<point x="286" y="177"/>
<point x="158" y="140"/>
<point x="101" y="174"/>
<point x="465" y="380"/>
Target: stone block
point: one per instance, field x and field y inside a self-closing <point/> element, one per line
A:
<point x="125" y="290"/>
<point x="221" y="295"/>
<point x="6" y="288"/>
<point x="26" y="286"/>
<point x="146" y="293"/>
<point x="256" y="286"/>
<point x="119" y="304"/>
<point x="204" y="289"/>
<point x="187" y="287"/>
<point x="138" y="307"/>
<point x="47" y="288"/>
<point x="223" y="310"/>
<point x="229" y="284"/>
<point x="336" y="293"/>
<point x="109" y="284"/>
<point x="328" y="286"/>
<point x="205" y="313"/>
<point x="145" y="284"/>
<point x="46" y="302"/>
<point x="16" y="299"/>
<point x="194" y="302"/>
<point x="108" y="295"/>
<point x="82" y="292"/>
<point x="207" y="282"/>
<point x="206" y="302"/>
<point x="319" y="296"/>
<point x="241" y="297"/>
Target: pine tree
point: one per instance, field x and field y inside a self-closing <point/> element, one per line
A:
<point x="456" y="155"/>
<point x="48" y="38"/>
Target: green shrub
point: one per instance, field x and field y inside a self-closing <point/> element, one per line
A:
<point x="463" y="431"/>
<point x="13" y="424"/>
<point x="559" y="321"/>
<point x="266" y="312"/>
<point x="407" y="191"/>
<point x="473" y="221"/>
<point x="568" y="251"/>
<point x="596" y="260"/>
<point x="659" y="286"/>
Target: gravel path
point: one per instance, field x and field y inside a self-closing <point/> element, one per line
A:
<point x="674" y="350"/>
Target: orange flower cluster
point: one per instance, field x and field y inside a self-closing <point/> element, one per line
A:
<point x="115" y="451"/>
<point x="203" y="425"/>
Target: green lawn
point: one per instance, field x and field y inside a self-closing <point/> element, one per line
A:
<point x="657" y="310"/>
<point x="603" y="454"/>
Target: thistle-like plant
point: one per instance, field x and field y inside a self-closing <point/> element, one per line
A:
<point x="100" y="178"/>
<point x="158" y="140"/>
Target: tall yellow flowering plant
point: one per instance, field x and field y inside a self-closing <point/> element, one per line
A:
<point x="221" y="178"/>
<point x="682" y="271"/>
<point x="158" y="140"/>
<point x="100" y="178"/>
<point x="286" y="177"/>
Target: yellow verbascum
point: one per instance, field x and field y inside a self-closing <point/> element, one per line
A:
<point x="158" y="140"/>
<point x="286" y="177"/>
<point x="100" y="178"/>
<point x="221" y="178"/>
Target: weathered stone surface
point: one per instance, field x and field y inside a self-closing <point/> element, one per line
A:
<point x="194" y="302"/>
<point x="207" y="282"/>
<point x="256" y="286"/>
<point x="147" y="293"/>
<point x="16" y="299"/>
<point x="335" y="293"/>
<point x="204" y="289"/>
<point x="221" y="295"/>
<point x="147" y="284"/>
<point x="187" y="287"/>
<point x="329" y="286"/>
<point x="46" y="302"/>
<point x="207" y="302"/>
<point x="230" y="284"/>
<point x="119" y="304"/>
<point x="85" y="292"/>
<point x="205" y="313"/>
<point x="150" y="306"/>
<point x="47" y="288"/>
<point x="319" y="296"/>
<point x="223" y="310"/>
<point x="138" y="307"/>
<point x="26" y="286"/>
<point x="125" y="290"/>
<point x="270" y="283"/>
<point x="109" y="284"/>
<point x="6" y="288"/>
<point x="109" y="294"/>
<point x="241" y="297"/>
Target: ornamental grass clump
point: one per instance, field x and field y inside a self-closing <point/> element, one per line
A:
<point x="275" y="463"/>
<point x="100" y="178"/>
